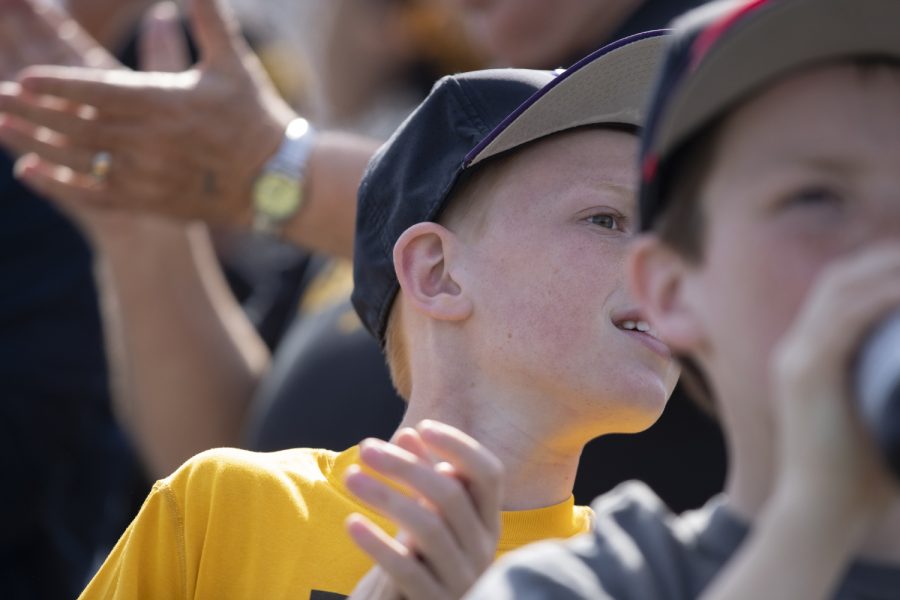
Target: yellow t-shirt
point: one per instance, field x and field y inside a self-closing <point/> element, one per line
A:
<point x="237" y="524"/>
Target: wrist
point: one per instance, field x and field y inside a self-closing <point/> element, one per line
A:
<point x="269" y="137"/>
<point x="818" y="515"/>
<point x="279" y="191"/>
<point x="128" y="236"/>
<point x="256" y="147"/>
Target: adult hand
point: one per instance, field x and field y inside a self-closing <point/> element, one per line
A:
<point x="185" y="145"/>
<point x="826" y="456"/>
<point x="163" y="47"/>
<point x="33" y="33"/>
<point x="449" y="525"/>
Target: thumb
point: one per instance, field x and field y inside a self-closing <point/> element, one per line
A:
<point x="163" y="46"/>
<point x="217" y="31"/>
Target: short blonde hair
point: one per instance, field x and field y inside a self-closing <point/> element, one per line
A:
<point x="465" y="214"/>
<point x="396" y="354"/>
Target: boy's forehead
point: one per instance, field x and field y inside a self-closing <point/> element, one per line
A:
<point x="574" y="157"/>
<point x="828" y="115"/>
<point x="833" y="128"/>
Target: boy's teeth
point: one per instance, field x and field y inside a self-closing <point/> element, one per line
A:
<point x="642" y="326"/>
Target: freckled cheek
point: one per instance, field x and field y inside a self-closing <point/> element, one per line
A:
<point x="559" y="316"/>
<point x="547" y="293"/>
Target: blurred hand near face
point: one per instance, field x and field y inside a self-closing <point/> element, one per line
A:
<point x="826" y="455"/>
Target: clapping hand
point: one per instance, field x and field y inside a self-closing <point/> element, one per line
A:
<point x="449" y="524"/>
<point x="185" y="145"/>
<point x="51" y="36"/>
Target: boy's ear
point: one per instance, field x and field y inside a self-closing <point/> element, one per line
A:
<point x="659" y="279"/>
<point x="424" y="259"/>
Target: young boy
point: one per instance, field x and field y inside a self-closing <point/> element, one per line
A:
<point x="513" y="325"/>
<point x="771" y="197"/>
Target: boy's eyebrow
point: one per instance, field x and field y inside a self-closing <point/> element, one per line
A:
<point x="613" y="186"/>
<point x="818" y="162"/>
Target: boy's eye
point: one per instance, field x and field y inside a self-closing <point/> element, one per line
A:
<point x="813" y="197"/>
<point x="607" y="221"/>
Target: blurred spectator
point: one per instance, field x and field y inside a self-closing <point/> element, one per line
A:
<point x="79" y="481"/>
<point x="546" y="34"/>
<point x="75" y="480"/>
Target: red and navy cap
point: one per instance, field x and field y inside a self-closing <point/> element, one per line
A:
<point x="722" y="53"/>
<point x="469" y="118"/>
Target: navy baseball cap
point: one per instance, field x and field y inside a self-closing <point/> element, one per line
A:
<point x="469" y="118"/>
<point x="722" y="53"/>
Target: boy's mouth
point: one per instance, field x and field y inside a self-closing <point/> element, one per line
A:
<point x="632" y="320"/>
<point x="633" y="323"/>
<point x="642" y="326"/>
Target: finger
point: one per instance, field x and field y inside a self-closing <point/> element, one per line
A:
<point x="856" y="318"/>
<point x="860" y="270"/>
<point x="163" y="46"/>
<point x="12" y="5"/>
<point x="17" y="49"/>
<point x="21" y="140"/>
<point x="432" y="538"/>
<point x="853" y="288"/>
<point x="448" y="495"/>
<point x="52" y="37"/>
<point x="407" y="572"/>
<point x="217" y="30"/>
<point x="70" y="192"/>
<point x="847" y="300"/>
<point x="51" y="14"/>
<point x="482" y="470"/>
<point x="41" y="33"/>
<point x="79" y="125"/>
<point x="113" y="92"/>
<point x="410" y="440"/>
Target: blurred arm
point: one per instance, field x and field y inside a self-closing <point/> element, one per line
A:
<point x="185" y="360"/>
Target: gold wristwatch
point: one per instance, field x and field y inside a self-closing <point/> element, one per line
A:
<point x="278" y="190"/>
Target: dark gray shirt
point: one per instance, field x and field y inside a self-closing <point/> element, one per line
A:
<point x="642" y="551"/>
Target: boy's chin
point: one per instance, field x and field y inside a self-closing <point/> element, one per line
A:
<point x="631" y="412"/>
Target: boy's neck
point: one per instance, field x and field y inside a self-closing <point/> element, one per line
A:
<point x="538" y="472"/>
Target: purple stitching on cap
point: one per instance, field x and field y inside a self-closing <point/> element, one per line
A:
<point x="473" y="154"/>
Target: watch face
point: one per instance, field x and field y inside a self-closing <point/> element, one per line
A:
<point x="276" y="196"/>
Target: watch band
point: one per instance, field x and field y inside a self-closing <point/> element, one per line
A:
<point x="288" y="165"/>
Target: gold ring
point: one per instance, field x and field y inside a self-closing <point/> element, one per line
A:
<point x="100" y="166"/>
